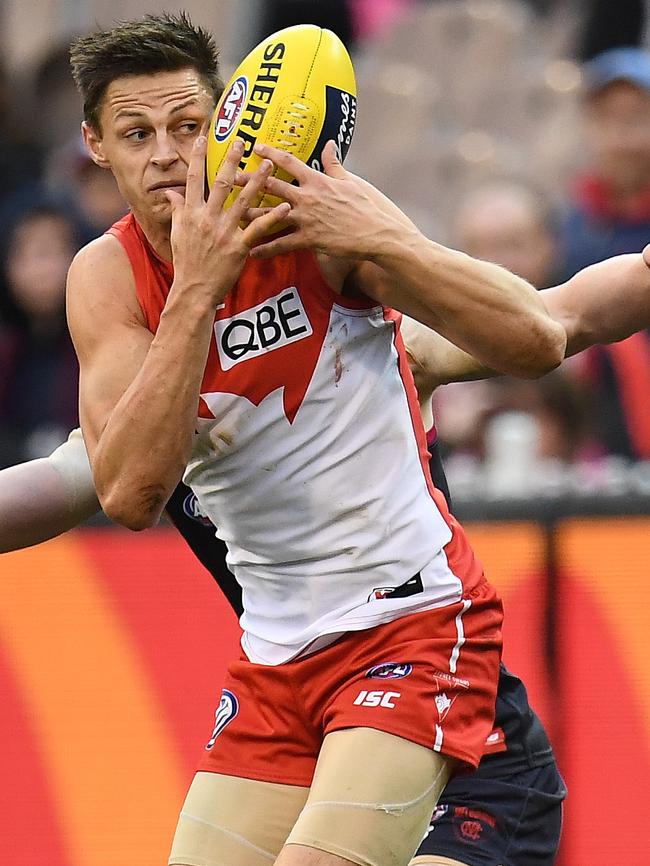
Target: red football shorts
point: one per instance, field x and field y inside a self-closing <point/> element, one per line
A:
<point x="430" y="677"/>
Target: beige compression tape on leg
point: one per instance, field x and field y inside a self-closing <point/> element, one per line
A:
<point x="228" y="821"/>
<point x="372" y="797"/>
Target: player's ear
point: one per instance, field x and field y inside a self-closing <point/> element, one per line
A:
<point x="93" y="141"/>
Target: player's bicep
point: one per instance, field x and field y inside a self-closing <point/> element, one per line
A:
<point x="108" y="332"/>
<point x="107" y="373"/>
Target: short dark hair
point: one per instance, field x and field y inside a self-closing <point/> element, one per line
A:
<point x="154" y="43"/>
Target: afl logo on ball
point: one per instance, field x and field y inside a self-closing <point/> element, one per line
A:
<point x="230" y="108"/>
<point x="226" y="712"/>
<point x="389" y="671"/>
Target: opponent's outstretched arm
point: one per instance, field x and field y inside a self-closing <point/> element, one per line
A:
<point x="603" y="303"/>
<point x="43" y="498"/>
<point x="478" y="306"/>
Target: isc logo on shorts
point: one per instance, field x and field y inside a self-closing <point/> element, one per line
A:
<point x="376" y="699"/>
<point x="277" y="322"/>
<point x="225" y="713"/>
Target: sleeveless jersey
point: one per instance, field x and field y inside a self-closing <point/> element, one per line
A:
<point x="335" y="525"/>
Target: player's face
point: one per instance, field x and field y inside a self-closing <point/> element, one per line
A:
<point x="148" y="126"/>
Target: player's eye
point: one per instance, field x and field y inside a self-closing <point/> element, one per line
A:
<point x="136" y="135"/>
<point x="189" y="127"/>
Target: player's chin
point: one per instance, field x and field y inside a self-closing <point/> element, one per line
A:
<point x="161" y="211"/>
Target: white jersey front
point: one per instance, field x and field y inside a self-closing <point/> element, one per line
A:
<point x="315" y="479"/>
<point x="310" y="457"/>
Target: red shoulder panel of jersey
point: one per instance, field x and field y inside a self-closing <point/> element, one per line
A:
<point x="153" y="275"/>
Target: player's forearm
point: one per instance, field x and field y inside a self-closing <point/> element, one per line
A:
<point x="480" y="307"/>
<point x="146" y="443"/>
<point x="603" y="303"/>
<point x="37" y="503"/>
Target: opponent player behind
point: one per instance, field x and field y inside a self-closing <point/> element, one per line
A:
<point x="331" y="556"/>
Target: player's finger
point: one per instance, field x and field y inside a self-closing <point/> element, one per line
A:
<point x="195" y="181"/>
<point x="280" y="188"/>
<point x="175" y="199"/>
<point x="286" y="161"/>
<point x="225" y="179"/>
<point x="242" y="178"/>
<point x="266" y="224"/>
<point x="331" y="163"/>
<point x="253" y="189"/>
<point x="254" y="213"/>
<point x="284" y="244"/>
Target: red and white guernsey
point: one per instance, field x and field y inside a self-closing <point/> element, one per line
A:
<point x="326" y="534"/>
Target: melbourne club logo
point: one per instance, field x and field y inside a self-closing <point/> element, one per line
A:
<point x="390" y="671"/>
<point x="225" y="713"/>
<point x="231" y="108"/>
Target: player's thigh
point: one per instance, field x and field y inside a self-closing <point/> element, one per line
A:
<point x="370" y="802"/>
<point x="231" y="821"/>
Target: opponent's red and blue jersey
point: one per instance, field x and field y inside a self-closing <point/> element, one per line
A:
<point x="334" y="525"/>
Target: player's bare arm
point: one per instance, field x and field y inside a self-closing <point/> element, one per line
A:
<point x="603" y="303"/>
<point x="43" y="498"/>
<point x="479" y="306"/>
<point x="138" y="392"/>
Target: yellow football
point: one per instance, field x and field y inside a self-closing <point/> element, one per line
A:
<point x="295" y="90"/>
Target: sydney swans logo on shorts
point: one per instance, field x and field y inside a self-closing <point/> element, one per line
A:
<point x="225" y="713"/>
<point x="390" y="671"/>
<point x="231" y="108"/>
<point x="276" y="322"/>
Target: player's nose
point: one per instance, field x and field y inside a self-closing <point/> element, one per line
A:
<point x="164" y="153"/>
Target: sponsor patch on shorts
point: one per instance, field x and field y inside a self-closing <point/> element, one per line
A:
<point x="225" y="713"/>
<point x="390" y="671"/>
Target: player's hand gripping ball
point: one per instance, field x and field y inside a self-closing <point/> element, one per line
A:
<point x="295" y="91"/>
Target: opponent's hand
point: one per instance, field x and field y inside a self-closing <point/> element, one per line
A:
<point x="334" y="212"/>
<point x="209" y="248"/>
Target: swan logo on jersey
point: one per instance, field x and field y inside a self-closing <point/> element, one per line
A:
<point x="389" y="671"/>
<point x="444" y="704"/>
<point x="192" y="509"/>
<point x="278" y="321"/>
<point x="231" y="108"/>
<point x="225" y="713"/>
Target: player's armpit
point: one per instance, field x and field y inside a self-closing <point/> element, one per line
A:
<point x="435" y="361"/>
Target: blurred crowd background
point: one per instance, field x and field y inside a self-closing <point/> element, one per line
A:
<point x="516" y="131"/>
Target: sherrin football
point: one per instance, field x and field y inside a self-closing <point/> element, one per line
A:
<point x="295" y="91"/>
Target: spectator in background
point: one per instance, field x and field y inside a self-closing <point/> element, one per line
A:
<point x="20" y="157"/>
<point x="511" y="223"/>
<point x="609" y="214"/>
<point x="89" y="192"/>
<point x="39" y="381"/>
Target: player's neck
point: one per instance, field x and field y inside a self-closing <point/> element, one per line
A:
<point x="158" y="234"/>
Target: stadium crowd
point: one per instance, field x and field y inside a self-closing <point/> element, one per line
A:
<point x="537" y="157"/>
